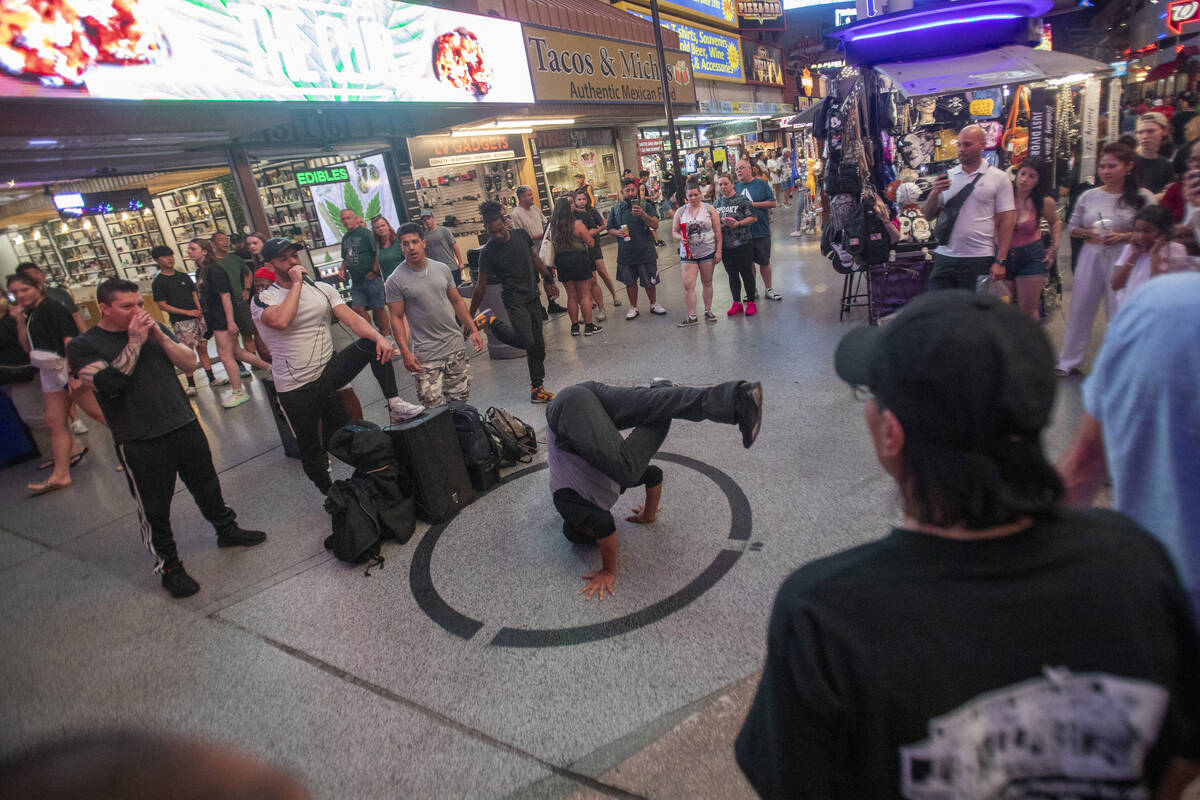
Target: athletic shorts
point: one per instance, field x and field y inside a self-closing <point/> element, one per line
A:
<point x="762" y="250"/>
<point x="367" y="294"/>
<point x="644" y="274"/>
<point x="189" y="332"/>
<point x="241" y="315"/>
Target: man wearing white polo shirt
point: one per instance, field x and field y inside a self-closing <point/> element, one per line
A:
<point x="983" y="230"/>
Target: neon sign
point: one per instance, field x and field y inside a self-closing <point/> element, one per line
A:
<point x="1181" y="12"/>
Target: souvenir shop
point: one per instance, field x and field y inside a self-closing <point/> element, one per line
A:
<point x="888" y="128"/>
<point x="590" y="152"/>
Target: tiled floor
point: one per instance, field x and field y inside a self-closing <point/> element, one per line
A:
<point x="285" y="650"/>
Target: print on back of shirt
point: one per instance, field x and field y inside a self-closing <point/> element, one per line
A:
<point x="1061" y="735"/>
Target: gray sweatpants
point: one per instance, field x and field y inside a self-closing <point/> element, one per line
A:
<point x="587" y="419"/>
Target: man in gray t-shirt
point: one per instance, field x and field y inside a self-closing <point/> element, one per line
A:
<point x="423" y="302"/>
<point x="440" y="246"/>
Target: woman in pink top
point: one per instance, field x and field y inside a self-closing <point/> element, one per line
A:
<point x="1028" y="260"/>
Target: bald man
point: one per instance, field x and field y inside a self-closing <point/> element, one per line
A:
<point x="983" y="229"/>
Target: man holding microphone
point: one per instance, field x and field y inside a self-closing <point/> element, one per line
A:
<point x="293" y="316"/>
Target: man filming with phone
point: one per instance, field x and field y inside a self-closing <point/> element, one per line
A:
<point x="982" y="231"/>
<point x="636" y="231"/>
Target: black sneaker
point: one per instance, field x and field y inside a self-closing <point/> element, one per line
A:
<point x="240" y="538"/>
<point x="545" y="316"/>
<point x="749" y="411"/>
<point x="555" y="308"/>
<point x="574" y="328"/>
<point x="176" y="581"/>
<point x="591" y="329"/>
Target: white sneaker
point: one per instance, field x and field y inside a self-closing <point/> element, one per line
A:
<point x="78" y="427"/>
<point x="190" y="391"/>
<point x="235" y="399"/>
<point x="400" y="409"/>
<point x="797" y="234"/>
<point x="657" y="309"/>
<point x="220" y="380"/>
<point x="631" y="313"/>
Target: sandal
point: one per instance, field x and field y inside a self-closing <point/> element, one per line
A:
<point x="45" y="486"/>
<point x="75" y="459"/>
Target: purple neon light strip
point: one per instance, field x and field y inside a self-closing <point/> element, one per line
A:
<point x="1030" y="8"/>
<point x="938" y="24"/>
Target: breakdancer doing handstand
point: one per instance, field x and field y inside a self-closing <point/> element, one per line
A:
<point x="591" y="464"/>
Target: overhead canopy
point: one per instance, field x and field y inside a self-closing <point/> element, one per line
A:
<point x="805" y="117"/>
<point x="985" y="69"/>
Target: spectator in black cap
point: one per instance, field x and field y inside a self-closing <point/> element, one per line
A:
<point x="995" y="644"/>
<point x="175" y="293"/>
<point x="591" y="465"/>
<point x="293" y="317"/>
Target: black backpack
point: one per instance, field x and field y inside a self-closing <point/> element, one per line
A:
<point x="513" y="441"/>
<point x="474" y="441"/>
<point x="378" y="501"/>
<point x="865" y="236"/>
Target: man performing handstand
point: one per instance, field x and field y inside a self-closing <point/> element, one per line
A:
<point x="591" y="464"/>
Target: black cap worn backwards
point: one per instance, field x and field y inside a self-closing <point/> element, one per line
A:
<point x="274" y="248"/>
<point x="958" y="369"/>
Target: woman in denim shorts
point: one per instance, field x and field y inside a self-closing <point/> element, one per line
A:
<point x="1028" y="259"/>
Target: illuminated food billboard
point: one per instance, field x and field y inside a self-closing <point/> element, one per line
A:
<point x="297" y="50"/>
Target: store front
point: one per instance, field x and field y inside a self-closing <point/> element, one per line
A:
<point x="590" y="152"/>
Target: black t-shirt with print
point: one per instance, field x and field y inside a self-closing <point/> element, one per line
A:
<point x="153" y="403"/>
<point x="48" y="323"/>
<point x="174" y="290"/>
<point x="510" y="263"/>
<point x="919" y="666"/>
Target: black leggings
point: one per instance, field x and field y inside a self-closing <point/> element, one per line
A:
<point x="314" y="411"/>
<point x="739" y="264"/>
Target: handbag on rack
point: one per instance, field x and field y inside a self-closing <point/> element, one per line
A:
<point x="1016" y="137"/>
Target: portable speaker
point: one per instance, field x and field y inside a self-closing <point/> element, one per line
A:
<point x="427" y="447"/>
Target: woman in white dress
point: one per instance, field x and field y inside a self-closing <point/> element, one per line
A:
<point x="1103" y="218"/>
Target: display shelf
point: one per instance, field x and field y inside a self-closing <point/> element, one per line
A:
<point x="82" y="246"/>
<point x="289" y="208"/>
<point x="195" y="212"/>
<point x="132" y="237"/>
<point x="34" y="243"/>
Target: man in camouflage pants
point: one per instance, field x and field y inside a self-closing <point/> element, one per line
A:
<point x="423" y="301"/>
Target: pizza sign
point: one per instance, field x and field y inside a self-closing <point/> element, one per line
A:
<point x="1181" y="12"/>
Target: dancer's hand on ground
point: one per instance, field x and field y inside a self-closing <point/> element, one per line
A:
<point x="411" y="363"/>
<point x="599" y="582"/>
<point x="641" y="517"/>
<point x="477" y="341"/>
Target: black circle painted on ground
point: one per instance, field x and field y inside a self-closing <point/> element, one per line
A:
<point x="420" y="577"/>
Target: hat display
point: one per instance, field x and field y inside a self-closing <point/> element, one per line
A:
<point x="958" y="369"/>
<point x="275" y="247"/>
